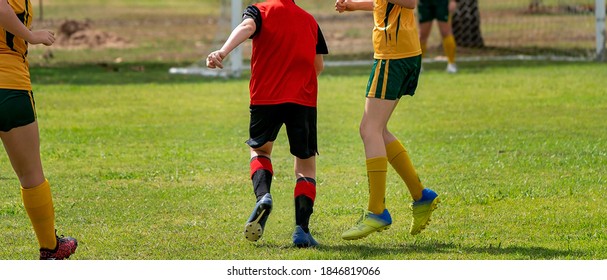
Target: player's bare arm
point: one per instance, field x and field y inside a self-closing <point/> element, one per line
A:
<point x="240" y="34"/>
<point x="319" y="64"/>
<point x="10" y="22"/>
<point x="353" y="5"/>
<point x="407" y="4"/>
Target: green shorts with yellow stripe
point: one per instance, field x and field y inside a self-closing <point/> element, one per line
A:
<point x="392" y="78"/>
<point x="16" y="108"/>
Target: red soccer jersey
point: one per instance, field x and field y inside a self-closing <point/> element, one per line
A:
<point x="284" y="50"/>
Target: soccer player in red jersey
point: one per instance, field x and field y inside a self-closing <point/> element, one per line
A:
<point x="287" y="58"/>
<point x="19" y="128"/>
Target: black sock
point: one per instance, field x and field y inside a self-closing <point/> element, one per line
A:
<point x="304" y="207"/>
<point x="262" y="180"/>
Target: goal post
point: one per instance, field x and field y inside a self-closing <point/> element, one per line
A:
<point x="236" y="55"/>
<point x="599" y="11"/>
<point x="229" y="16"/>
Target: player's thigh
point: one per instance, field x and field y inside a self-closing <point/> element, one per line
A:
<point x="20" y="136"/>
<point x="425" y="28"/>
<point x="445" y="28"/>
<point x="22" y="145"/>
<point x="377" y="113"/>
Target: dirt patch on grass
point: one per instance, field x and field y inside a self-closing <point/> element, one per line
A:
<point x="82" y="34"/>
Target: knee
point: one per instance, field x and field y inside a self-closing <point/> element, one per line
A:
<point x="264" y="151"/>
<point x="363" y="131"/>
<point x="367" y="131"/>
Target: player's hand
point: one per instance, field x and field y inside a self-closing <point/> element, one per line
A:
<point x="341" y="6"/>
<point x="215" y="59"/>
<point x="452" y="6"/>
<point x="42" y="37"/>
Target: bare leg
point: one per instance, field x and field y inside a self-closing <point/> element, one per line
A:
<point x="265" y="150"/>
<point x="305" y="168"/>
<point x="22" y="144"/>
<point x="445" y="28"/>
<point x="424" y="33"/>
<point x="449" y="44"/>
<point x="373" y="127"/>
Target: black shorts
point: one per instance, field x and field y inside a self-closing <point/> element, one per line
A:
<point x="266" y="121"/>
<point x="428" y="10"/>
<point x="16" y="108"/>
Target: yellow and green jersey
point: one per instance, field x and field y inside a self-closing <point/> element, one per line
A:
<point x="14" y="68"/>
<point x="395" y="33"/>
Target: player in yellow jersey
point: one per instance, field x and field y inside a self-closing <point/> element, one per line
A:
<point x="395" y="73"/>
<point x="439" y="10"/>
<point x="19" y="128"/>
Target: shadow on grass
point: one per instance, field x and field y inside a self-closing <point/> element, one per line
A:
<point x="466" y="252"/>
<point x="114" y="74"/>
<point x="435" y="251"/>
<point x="158" y="73"/>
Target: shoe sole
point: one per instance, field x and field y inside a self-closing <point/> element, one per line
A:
<point x="253" y="230"/>
<point x="433" y="207"/>
<point x="365" y="235"/>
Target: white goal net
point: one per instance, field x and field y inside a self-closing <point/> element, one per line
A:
<point x="534" y="27"/>
<point x="483" y="29"/>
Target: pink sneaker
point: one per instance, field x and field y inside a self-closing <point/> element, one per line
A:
<point x="66" y="246"/>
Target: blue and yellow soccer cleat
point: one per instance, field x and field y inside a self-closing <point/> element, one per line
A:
<point x="367" y="224"/>
<point x="253" y="230"/>
<point x="302" y="239"/>
<point x="422" y="210"/>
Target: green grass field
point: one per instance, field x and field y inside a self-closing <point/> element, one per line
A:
<point x="145" y="165"/>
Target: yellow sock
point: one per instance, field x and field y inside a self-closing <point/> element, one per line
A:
<point x="39" y="206"/>
<point x="400" y="161"/>
<point x="424" y="49"/>
<point x="376" y="172"/>
<point x="449" y="46"/>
